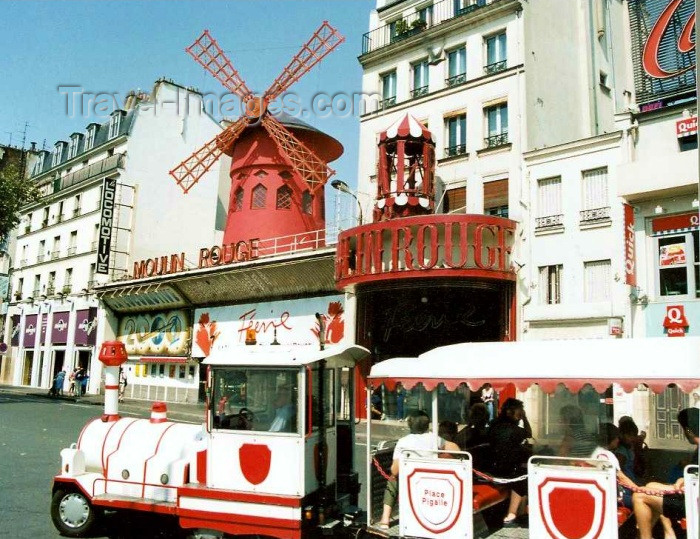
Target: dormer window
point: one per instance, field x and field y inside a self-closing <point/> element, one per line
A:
<point x="73" y="145"/>
<point x="57" y="153"/>
<point x="39" y="166"/>
<point x="90" y="137"/>
<point x="114" y="121"/>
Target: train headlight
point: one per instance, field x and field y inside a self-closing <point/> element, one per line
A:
<point x="164" y="479"/>
<point x="125" y="474"/>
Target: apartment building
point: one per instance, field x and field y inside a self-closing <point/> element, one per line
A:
<point x="107" y="200"/>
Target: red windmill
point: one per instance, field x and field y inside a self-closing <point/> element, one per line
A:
<point x="279" y="164"/>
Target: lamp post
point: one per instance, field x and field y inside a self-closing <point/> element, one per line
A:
<point x="343" y="187"/>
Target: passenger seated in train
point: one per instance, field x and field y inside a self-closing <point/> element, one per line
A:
<point x="474" y="436"/>
<point x="608" y="441"/>
<point x="649" y="508"/>
<point x="577" y="441"/>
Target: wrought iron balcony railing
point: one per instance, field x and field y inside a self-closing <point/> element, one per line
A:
<point x="452" y="151"/>
<point x="387" y="103"/>
<point x="40" y="258"/>
<point x="55" y="254"/>
<point x="50" y="290"/>
<point x="496" y="140"/>
<point x="419" y="92"/>
<point x="495" y="67"/>
<point x="596" y="214"/>
<point x="456" y="80"/>
<point x="549" y="221"/>
<point x="71" y="251"/>
<point x="413" y="24"/>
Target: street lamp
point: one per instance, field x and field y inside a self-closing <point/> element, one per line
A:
<point x="343" y="187"/>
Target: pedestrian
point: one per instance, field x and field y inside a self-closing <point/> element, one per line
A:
<point x="400" y="400"/>
<point x="122" y="384"/>
<point x="377" y="411"/>
<point x="488" y="397"/>
<point x="71" y="379"/>
<point x="424" y="444"/>
<point x="58" y="383"/>
<point x="79" y="376"/>
<point x="84" y="383"/>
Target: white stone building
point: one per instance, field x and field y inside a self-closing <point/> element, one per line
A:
<point x="108" y="200"/>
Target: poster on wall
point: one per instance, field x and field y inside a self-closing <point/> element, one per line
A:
<point x="290" y="322"/>
<point x="672" y="254"/>
<point x="59" y="328"/>
<point x="30" y="330"/>
<point x="14" y="335"/>
<point x="159" y="334"/>
<point x="86" y="327"/>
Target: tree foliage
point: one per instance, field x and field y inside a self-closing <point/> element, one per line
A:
<point x="15" y="192"/>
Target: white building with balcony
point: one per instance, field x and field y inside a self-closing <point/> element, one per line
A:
<point x="108" y="200"/>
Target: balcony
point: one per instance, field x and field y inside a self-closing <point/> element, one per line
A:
<point x="550" y="221"/>
<point x="495" y="67"/>
<point x="596" y="214"/>
<point x="23" y="263"/>
<point x="36" y="293"/>
<point x="67" y="289"/>
<point x="40" y="258"/>
<point x="59" y="218"/>
<point x="494" y="141"/>
<point x="454" y="151"/>
<point x="104" y="166"/>
<point x="93" y="246"/>
<point x="71" y="251"/>
<point x="419" y="92"/>
<point x="76" y="211"/>
<point x="396" y="31"/>
<point x="55" y="254"/>
<point x="50" y="290"/>
<point x="387" y="103"/>
<point x="456" y="80"/>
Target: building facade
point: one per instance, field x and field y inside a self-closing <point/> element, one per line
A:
<point x="106" y="201"/>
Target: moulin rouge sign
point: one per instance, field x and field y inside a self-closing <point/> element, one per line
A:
<point x="440" y="245"/>
<point x="209" y="257"/>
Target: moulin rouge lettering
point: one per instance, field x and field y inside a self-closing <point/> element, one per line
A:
<point x="652" y="48"/>
<point x="248" y="322"/>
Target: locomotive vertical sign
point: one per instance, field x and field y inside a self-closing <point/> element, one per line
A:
<point x="663" y="49"/>
<point x="109" y="190"/>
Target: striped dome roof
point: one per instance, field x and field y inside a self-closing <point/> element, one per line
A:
<point x="406" y="127"/>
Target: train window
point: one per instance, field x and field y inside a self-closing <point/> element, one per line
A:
<point x="256" y="399"/>
<point x="328" y="398"/>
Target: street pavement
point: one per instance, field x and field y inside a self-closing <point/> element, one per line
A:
<point x="34" y="427"/>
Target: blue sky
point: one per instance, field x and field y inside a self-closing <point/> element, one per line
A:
<point x="117" y="46"/>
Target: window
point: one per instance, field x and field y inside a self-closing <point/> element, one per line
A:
<point x="28" y="224"/>
<point x="114" y="121"/>
<point x="182" y="371"/>
<point x="39" y="166"/>
<point x="238" y="199"/>
<point x="388" y="90"/>
<point x="90" y="137"/>
<point x="57" y="154"/>
<point x="73" y="146"/>
<point x="45" y="220"/>
<point x="68" y="281"/>
<point x="550" y="284"/>
<point x="678" y="264"/>
<point x="496" y="198"/>
<point x="56" y="251"/>
<point x="42" y="251"/>
<point x="51" y="286"/>
<point x="420" y="79"/>
<point x="284" y="198"/>
<point x="496" y="125"/>
<point x="95" y="236"/>
<point x="549" y="208"/>
<point x="59" y="215"/>
<point x="154" y="369"/>
<point x="307" y="202"/>
<point x="594" y="195"/>
<point x="456" y="67"/>
<point x="76" y="205"/>
<point x="20" y="285"/>
<point x="37" y="286"/>
<point x="426" y="15"/>
<point x="455" y="200"/>
<point x="259" y="196"/>
<point x="91" y="276"/>
<point x="73" y="242"/>
<point x="272" y="393"/>
<point x="456" y="134"/>
<point x="495" y="53"/>
<point x="328" y="408"/>
<point x="596" y="281"/>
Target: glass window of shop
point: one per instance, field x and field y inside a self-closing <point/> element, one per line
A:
<point x="677" y="265"/>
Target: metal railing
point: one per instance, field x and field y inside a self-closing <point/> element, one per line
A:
<point x="441" y="12"/>
<point x="55" y="254"/>
<point x="108" y="164"/>
<point x="93" y="246"/>
<point x="495" y="67"/>
<point x="452" y="151"/>
<point x="595" y="214"/>
<point x="456" y="80"/>
<point x="496" y="140"/>
<point x="387" y="103"/>
<point x="50" y="290"/>
<point x="67" y="288"/>
<point x="419" y="92"/>
<point x="549" y="221"/>
<point x="40" y="258"/>
<point x="71" y="251"/>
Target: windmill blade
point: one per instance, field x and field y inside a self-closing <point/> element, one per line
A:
<point x="191" y="170"/>
<point x="324" y="40"/>
<point x="312" y="170"/>
<point x="206" y="51"/>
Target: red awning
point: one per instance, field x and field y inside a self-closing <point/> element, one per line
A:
<point x="163" y="359"/>
<point x="406" y="127"/>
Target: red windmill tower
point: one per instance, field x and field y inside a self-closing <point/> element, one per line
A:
<point x="279" y="163"/>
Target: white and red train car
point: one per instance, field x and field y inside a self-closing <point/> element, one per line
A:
<point x="265" y="462"/>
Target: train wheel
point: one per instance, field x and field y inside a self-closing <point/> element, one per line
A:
<point x="72" y="513"/>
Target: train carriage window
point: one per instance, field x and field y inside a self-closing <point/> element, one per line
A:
<point x="264" y="400"/>
<point x="328" y="398"/>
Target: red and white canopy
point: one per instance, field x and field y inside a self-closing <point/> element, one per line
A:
<point x="406" y="127"/>
<point x="655" y="362"/>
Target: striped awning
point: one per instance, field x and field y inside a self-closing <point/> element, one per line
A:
<point x="406" y="127"/>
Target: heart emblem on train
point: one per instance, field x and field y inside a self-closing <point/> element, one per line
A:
<point x="435" y="497"/>
<point x="255" y="462"/>
<point x="572" y="510"/>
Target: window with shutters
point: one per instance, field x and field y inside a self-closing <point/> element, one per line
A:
<point x="259" y="196"/>
<point x="595" y="205"/>
<point x="596" y="281"/>
<point x="550" y="284"/>
<point x="549" y="207"/>
<point x="284" y="198"/>
<point x="455" y="200"/>
<point x="496" y="198"/>
<point x="495" y="53"/>
<point x="496" y="117"/>
<point x="307" y="202"/>
<point x="456" y="67"/>
<point x="238" y="199"/>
